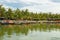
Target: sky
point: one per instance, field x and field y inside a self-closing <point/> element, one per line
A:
<point x="33" y="5"/>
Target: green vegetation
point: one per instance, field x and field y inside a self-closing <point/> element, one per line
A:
<point x="25" y="14"/>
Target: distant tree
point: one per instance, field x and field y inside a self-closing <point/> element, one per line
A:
<point x="18" y="14"/>
<point x="10" y="14"/>
<point x="25" y="14"/>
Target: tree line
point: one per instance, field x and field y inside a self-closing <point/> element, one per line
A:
<point x="25" y="14"/>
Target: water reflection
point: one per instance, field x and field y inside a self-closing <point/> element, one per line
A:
<point x="18" y="30"/>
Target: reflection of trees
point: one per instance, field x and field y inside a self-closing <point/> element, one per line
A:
<point x="24" y="29"/>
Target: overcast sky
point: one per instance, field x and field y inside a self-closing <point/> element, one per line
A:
<point x="33" y="5"/>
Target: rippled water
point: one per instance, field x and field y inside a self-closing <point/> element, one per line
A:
<point x="30" y="32"/>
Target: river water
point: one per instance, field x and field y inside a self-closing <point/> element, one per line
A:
<point x="30" y="32"/>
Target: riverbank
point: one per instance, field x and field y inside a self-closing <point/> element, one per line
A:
<point x="26" y="22"/>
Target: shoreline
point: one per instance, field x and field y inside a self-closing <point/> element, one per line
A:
<point x="26" y="22"/>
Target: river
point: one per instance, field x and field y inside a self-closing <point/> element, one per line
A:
<point x="30" y="32"/>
